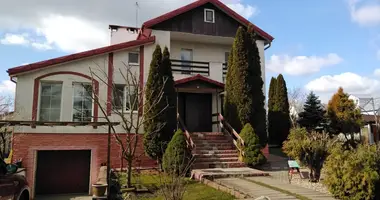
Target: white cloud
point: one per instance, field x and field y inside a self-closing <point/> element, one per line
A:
<point x="73" y="26"/>
<point x="301" y="65"/>
<point x="7" y="87"/>
<point x="367" y="15"/>
<point x="326" y="86"/>
<point x="71" y="34"/>
<point x="246" y="11"/>
<point x="41" y="46"/>
<point x="14" y="39"/>
<point x="377" y="72"/>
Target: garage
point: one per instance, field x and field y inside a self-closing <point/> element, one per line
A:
<point x="63" y="172"/>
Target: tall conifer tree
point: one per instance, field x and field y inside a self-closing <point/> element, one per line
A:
<point x="154" y="120"/>
<point x="282" y="110"/>
<point x="272" y="122"/>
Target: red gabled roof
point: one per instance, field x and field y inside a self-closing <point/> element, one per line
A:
<point x="217" y="3"/>
<point x="76" y="56"/>
<point x="199" y="77"/>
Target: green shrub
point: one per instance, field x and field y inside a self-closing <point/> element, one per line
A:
<point x="177" y="155"/>
<point x="252" y="151"/>
<point x="310" y="149"/>
<point x="353" y="174"/>
<point x="293" y="146"/>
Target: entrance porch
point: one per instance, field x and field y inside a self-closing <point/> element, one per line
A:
<point x="198" y="101"/>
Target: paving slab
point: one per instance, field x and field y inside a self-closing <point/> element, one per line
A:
<point x="213" y="173"/>
<point x="64" y="197"/>
<point x="252" y="189"/>
<point x="309" y="193"/>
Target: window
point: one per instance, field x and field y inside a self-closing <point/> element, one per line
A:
<point x="118" y="96"/>
<point x="226" y="55"/>
<point x="186" y="55"/>
<point x="209" y="16"/>
<point x="50" y="101"/>
<point x="125" y="97"/>
<point x="131" y="99"/>
<point x="133" y="58"/>
<point x="82" y="102"/>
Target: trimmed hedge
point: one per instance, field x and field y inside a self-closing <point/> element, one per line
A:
<point x="177" y="155"/>
<point x="252" y="152"/>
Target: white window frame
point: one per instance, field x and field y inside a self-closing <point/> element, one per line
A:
<point x="124" y="101"/>
<point x="138" y="58"/>
<point x="213" y="15"/>
<point x="72" y="100"/>
<point x="40" y="98"/>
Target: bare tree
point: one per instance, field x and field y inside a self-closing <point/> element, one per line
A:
<point x="6" y="103"/>
<point x="127" y="109"/>
<point x="297" y="97"/>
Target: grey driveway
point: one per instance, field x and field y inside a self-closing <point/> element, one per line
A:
<point x="64" y="197"/>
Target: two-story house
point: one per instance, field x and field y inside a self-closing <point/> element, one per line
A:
<point x="67" y="159"/>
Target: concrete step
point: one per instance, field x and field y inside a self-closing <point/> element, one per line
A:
<point x="200" y="151"/>
<point x="216" y="155"/>
<point x="208" y="134"/>
<point x="205" y="165"/>
<point x="205" y="141"/>
<point x="216" y="159"/>
<point x="228" y="144"/>
<point x="210" y="148"/>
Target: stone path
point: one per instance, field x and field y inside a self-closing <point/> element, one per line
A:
<point x="255" y="190"/>
<point x="252" y="189"/>
<point x="309" y="193"/>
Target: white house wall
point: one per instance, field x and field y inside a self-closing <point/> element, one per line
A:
<point x="98" y="64"/>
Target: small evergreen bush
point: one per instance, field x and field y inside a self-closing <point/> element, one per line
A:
<point x="252" y="151"/>
<point x="353" y="174"/>
<point x="177" y="155"/>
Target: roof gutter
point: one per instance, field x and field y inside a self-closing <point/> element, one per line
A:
<point x="269" y="45"/>
<point x="12" y="79"/>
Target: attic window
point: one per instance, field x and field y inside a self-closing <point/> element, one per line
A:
<point x="209" y="15"/>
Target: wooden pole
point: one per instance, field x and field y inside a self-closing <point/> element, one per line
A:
<point x="109" y="162"/>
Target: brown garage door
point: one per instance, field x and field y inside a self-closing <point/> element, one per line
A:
<point x="63" y="172"/>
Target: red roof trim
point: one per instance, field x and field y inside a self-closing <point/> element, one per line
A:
<point x="76" y="56"/>
<point x="198" y="3"/>
<point x="199" y="77"/>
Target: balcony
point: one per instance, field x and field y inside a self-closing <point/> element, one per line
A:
<point x="190" y="67"/>
<point x="224" y="72"/>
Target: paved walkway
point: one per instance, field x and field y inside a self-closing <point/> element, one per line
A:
<point x="255" y="190"/>
<point x="252" y="189"/>
<point x="212" y="173"/>
<point x="309" y="193"/>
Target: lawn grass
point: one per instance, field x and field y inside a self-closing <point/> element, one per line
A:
<point x="194" y="189"/>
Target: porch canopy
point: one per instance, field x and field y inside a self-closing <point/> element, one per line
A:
<point x="198" y="84"/>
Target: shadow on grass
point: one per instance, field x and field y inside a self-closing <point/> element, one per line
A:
<point x="194" y="190"/>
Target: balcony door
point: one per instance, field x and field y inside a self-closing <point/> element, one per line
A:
<point x="186" y="58"/>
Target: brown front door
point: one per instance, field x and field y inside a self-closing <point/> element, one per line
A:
<point x="63" y="172"/>
<point x="196" y="111"/>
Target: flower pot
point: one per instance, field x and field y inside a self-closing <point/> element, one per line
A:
<point x="98" y="190"/>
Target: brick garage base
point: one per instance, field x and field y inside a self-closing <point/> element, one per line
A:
<point x="25" y="147"/>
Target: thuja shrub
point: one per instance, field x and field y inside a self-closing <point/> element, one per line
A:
<point x="177" y="155"/>
<point x="252" y="151"/>
<point x="353" y="174"/>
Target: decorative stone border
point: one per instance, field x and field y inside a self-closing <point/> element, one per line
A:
<point x="223" y="188"/>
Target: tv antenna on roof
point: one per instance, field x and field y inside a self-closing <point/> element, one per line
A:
<point x="137" y="12"/>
